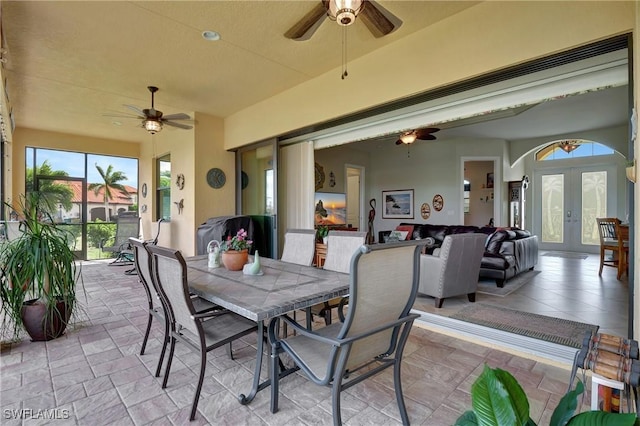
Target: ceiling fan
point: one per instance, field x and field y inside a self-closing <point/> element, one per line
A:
<point x="424" y="134"/>
<point x="152" y="119"/>
<point x="376" y="18"/>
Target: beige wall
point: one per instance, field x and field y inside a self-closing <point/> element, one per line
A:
<point x="481" y="39"/>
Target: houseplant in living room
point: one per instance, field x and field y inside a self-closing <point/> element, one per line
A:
<point x="38" y="273"/>
<point x="235" y="251"/>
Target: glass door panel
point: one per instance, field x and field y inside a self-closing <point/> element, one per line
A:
<point x="258" y="195"/>
<point x="66" y="207"/>
<point x="571" y="200"/>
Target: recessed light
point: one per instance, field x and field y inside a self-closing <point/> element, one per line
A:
<point x="211" y="35"/>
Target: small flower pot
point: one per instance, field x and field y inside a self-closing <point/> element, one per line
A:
<point x="235" y="260"/>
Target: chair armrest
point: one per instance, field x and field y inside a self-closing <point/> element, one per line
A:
<point x="331" y="341"/>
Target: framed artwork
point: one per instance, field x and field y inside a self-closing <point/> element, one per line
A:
<point x="489" y="180"/>
<point x="438" y="202"/>
<point x="397" y="204"/>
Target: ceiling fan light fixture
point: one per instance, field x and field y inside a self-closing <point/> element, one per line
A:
<point x="408" y="137"/>
<point x="344" y="12"/>
<point x="152" y="126"/>
<point x="569" y="146"/>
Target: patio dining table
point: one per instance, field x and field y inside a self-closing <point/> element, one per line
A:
<point x="282" y="288"/>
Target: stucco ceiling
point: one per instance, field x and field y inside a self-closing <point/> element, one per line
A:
<point x="71" y="62"/>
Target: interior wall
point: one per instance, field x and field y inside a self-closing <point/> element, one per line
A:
<point x="179" y="232"/>
<point x="480" y="49"/>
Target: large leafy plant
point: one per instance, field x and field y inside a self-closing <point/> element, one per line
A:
<point x="499" y="400"/>
<point x="38" y="266"/>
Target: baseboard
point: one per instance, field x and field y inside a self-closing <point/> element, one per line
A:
<point x="509" y="342"/>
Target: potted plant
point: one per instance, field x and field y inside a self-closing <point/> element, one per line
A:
<point x="498" y="400"/>
<point x="321" y="233"/>
<point x="235" y="251"/>
<point x="38" y="273"/>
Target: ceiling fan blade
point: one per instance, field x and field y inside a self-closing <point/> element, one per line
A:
<point x="136" y="110"/>
<point x="137" y="117"/>
<point x="305" y="27"/>
<point x="378" y="19"/>
<point x="178" y="116"/>
<point x="425" y="133"/>
<point x="179" y="125"/>
<point x="428" y="137"/>
<point x="399" y="142"/>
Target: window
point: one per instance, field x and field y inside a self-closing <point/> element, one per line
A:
<point x="163" y="185"/>
<point x="572" y="148"/>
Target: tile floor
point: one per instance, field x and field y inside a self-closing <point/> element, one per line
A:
<point x="95" y="375"/>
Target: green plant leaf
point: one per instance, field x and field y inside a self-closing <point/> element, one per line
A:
<point x="468" y="418"/>
<point x="498" y="399"/>
<point x="567" y="406"/>
<point x="602" y="418"/>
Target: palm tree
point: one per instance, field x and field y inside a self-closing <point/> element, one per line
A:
<point x="55" y="192"/>
<point x="110" y="182"/>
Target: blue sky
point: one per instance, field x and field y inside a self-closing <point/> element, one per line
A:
<point x="74" y="164"/>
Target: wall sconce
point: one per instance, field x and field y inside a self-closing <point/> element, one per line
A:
<point x="631" y="171"/>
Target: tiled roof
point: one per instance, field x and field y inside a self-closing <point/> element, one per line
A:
<point x="119" y="197"/>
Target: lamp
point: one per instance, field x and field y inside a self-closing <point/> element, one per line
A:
<point x="344" y="12"/>
<point x="408" y="137"/>
<point x="569" y="145"/>
<point x="152" y="126"/>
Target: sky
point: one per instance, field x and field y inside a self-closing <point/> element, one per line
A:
<point x="74" y="164"/>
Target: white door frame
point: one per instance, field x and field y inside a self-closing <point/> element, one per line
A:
<point x="497" y="186"/>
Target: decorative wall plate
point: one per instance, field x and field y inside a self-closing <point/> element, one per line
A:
<point x="180" y="181"/>
<point x="319" y="176"/>
<point x="425" y="211"/>
<point x="216" y="178"/>
<point x="438" y="202"/>
<point x="244" y="180"/>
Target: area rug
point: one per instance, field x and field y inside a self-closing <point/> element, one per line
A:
<point x="550" y="329"/>
<point x="566" y="255"/>
<point x="488" y="286"/>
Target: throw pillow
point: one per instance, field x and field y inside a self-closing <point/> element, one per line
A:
<point x="407" y="228"/>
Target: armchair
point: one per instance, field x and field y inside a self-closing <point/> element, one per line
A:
<point x="453" y="269"/>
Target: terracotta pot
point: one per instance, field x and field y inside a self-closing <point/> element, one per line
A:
<point x="41" y="325"/>
<point x="235" y="260"/>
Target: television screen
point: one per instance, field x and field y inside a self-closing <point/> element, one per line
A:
<point x="331" y="208"/>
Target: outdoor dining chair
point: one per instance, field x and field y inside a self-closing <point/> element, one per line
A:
<point x="341" y="245"/>
<point x="383" y="288"/>
<point x="142" y="262"/>
<point x="299" y="246"/>
<point x="202" y="332"/>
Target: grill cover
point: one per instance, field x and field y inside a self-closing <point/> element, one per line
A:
<point x="221" y="227"/>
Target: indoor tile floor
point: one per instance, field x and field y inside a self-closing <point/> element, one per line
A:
<point x="95" y="375"/>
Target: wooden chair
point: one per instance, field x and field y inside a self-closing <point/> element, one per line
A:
<point x="608" y="241"/>
<point x="622" y="232"/>
<point x="383" y="288"/>
<point x="202" y="332"/>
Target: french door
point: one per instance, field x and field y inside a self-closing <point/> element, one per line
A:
<point x="568" y="201"/>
